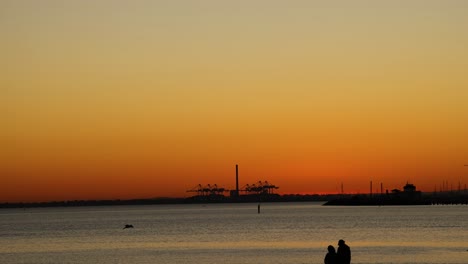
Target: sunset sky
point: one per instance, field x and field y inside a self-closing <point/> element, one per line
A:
<point x="140" y="99"/>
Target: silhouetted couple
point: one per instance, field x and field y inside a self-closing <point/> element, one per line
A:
<point x="343" y="256"/>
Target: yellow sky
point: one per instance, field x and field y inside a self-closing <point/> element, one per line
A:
<point x="123" y="99"/>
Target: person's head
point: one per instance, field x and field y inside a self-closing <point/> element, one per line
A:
<point x="331" y="249"/>
<point x="341" y="242"/>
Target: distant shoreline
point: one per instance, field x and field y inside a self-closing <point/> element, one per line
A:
<point x="328" y="199"/>
<point x="189" y="200"/>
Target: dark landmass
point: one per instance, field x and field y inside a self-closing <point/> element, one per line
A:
<point x="407" y="196"/>
<point x="189" y="200"/>
<point x="445" y="198"/>
<point x="417" y="198"/>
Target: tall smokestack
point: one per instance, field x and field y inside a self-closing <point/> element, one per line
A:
<point x="237" y="180"/>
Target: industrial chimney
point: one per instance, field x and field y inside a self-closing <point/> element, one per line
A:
<point x="237" y="180"/>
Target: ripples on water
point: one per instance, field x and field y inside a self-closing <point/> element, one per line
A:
<point x="233" y="233"/>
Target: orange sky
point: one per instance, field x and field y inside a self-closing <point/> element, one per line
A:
<point x="124" y="99"/>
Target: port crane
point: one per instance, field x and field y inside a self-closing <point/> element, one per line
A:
<point x="259" y="188"/>
<point x="208" y="190"/>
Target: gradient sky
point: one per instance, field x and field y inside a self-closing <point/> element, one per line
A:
<point x="136" y="99"/>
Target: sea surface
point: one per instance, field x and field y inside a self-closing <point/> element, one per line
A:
<point x="233" y="233"/>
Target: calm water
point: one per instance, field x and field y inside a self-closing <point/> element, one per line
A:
<point x="233" y="233"/>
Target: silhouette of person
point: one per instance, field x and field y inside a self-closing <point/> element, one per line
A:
<point x="331" y="257"/>
<point x="344" y="253"/>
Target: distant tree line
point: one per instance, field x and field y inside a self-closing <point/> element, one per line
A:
<point x="190" y="200"/>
